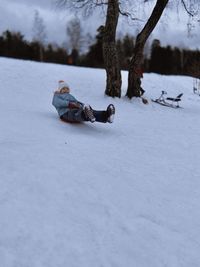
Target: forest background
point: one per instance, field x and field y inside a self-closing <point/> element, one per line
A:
<point x="157" y="58"/>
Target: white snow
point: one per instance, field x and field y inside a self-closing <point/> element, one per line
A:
<point x="97" y="195"/>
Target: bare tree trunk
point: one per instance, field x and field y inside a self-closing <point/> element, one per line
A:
<point x="135" y="69"/>
<point x="41" y="53"/>
<point x="111" y="61"/>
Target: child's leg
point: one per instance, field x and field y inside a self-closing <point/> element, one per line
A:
<point x="79" y="115"/>
<point x="74" y="115"/>
<point x="100" y="116"/>
<point x="105" y="115"/>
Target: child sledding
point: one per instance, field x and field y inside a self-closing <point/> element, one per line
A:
<point x="71" y="110"/>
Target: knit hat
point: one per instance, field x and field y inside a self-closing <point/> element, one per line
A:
<point x="62" y="84"/>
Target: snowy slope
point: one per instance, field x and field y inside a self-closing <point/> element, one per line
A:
<point x="97" y="195"/>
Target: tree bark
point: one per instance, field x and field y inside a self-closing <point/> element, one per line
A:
<point x="110" y="55"/>
<point x="135" y="68"/>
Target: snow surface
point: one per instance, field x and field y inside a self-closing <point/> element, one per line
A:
<point x="97" y="195"/>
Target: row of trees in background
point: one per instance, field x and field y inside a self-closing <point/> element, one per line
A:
<point x="158" y="59"/>
<point x="110" y="50"/>
<point x="167" y="60"/>
<point x="13" y="45"/>
<point x="163" y="60"/>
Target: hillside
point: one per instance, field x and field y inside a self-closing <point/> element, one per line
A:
<point x="97" y="195"/>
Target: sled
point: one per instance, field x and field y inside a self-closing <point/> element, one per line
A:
<point x="172" y="102"/>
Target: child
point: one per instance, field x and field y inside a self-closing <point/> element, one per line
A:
<point x="71" y="110"/>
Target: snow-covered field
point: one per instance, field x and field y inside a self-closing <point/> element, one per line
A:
<point x="125" y="194"/>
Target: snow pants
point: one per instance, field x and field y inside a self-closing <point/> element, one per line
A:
<point x="77" y="115"/>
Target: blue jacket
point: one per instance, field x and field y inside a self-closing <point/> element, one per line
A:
<point x="61" y="102"/>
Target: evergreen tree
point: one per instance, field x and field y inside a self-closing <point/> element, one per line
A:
<point x="94" y="57"/>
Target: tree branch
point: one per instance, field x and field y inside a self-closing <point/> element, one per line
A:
<point x="128" y="14"/>
<point x="186" y="9"/>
